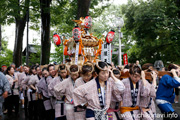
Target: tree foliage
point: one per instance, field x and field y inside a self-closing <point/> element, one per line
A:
<point x="6" y="57"/>
<point x="153" y="28"/>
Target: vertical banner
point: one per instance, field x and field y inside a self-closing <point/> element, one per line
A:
<point x="63" y="56"/>
<point x="77" y="53"/>
<point x="109" y="53"/>
<point x="125" y="59"/>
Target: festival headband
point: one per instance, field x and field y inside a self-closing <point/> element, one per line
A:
<point x="73" y="72"/>
<point x="65" y="68"/>
<point x="117" y="70"/>
<point x="88" y="64"/>
<point x="97" y="65"/>
<point x="3" y="66"/>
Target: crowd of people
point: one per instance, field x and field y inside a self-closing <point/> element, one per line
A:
<point x="93" y="91"/>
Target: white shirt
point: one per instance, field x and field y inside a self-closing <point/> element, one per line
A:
<point x="103" y="97"/>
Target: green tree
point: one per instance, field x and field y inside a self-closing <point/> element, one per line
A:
<point x="58" y="56"/>
<point x="45" y="28"/>
<point x="153" y="27"/>
<point x="0" y="37"/>
<point x="20" y="15"/>
<point x="5" y="54"/>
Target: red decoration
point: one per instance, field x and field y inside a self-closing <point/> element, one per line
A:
<point x="88" y="22"/>
<point x="76" y="33"/>
<point x="65" y="50"/>
<point x="80" y="49"/>
<point x="57" y="39"/>
<point x="110" y="36"/>
<point x="125" y="59"/>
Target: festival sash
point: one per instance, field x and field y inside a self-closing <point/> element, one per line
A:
<point x="134" y="94"/>
<point x="128" y="109"/>
<point x="102" y="105"/>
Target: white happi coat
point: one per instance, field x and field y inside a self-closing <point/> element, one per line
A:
<point x="15" y="90"/>
<point x="88" y="93"/>
<point x="66" y="88"/>
<point x="43" y="90"/>
<point x="34" y="80"/>
<point x="58" y="104"/>
<point x="80" y="115"/>
<point x="146" y="102"/>
<point x="21" y="77"/>
<point x="127" y="99"/>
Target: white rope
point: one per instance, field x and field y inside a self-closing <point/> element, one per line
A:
<point x="100" y="114"/>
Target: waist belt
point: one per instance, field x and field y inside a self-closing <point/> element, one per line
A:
<point x="112" y="110"/>
<point x="128" y="109"/>
<point x="79" y="108"/>
<point x="45" y="98"/>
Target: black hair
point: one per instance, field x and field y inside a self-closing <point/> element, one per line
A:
<point x="32" y="67"/>
<point x="36" y="67"/>
<point x="68" y="60"/>
<point x="126" y="67"/>
<point x="73" y="68"/>
<point x="171" y="66"/>
<point x="49" y="67"/>
<point x="135" y="69"/>
<point x="147" y="65"/>
<point x="62" y="67"/>
<point x="45" y="68"/>
<point x="101" y="65"/>
<point x="116" y="72"/>
<point x="86" y="69"/>
<point x="8" y="69"/>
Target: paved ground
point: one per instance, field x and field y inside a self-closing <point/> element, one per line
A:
<point x="22" y="116"/>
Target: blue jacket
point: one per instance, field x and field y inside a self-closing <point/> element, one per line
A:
<point x="166" y="87"/>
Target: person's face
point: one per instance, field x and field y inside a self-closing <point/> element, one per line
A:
<point x="137" y="62"/>
<point x="33" y="71"/>
<point x="45" y="73"/>
<point x="38" y="70"/>
<point x="52" y="71"/>
<point x="135" y="78"/>
<point x="178" y="72"/>
<point x="74" y="76"/>
<point x="4" y="69"/>
<point x="117" y="76"/>
<point x="87" y="77"/>
<point x="11" y="71"/>
<point x="104" y="74"/>
<point x="26" y="69"/>
<point x="63" y="73"/>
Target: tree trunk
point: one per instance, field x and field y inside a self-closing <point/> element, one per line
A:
<point x="83" y="8"/>
<point x="178" y="5"/>
<point x="20" y="26"/>
<point x="17" y="55"/>
<point x="45" y="31"/>
<point x="0" y="37"/>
